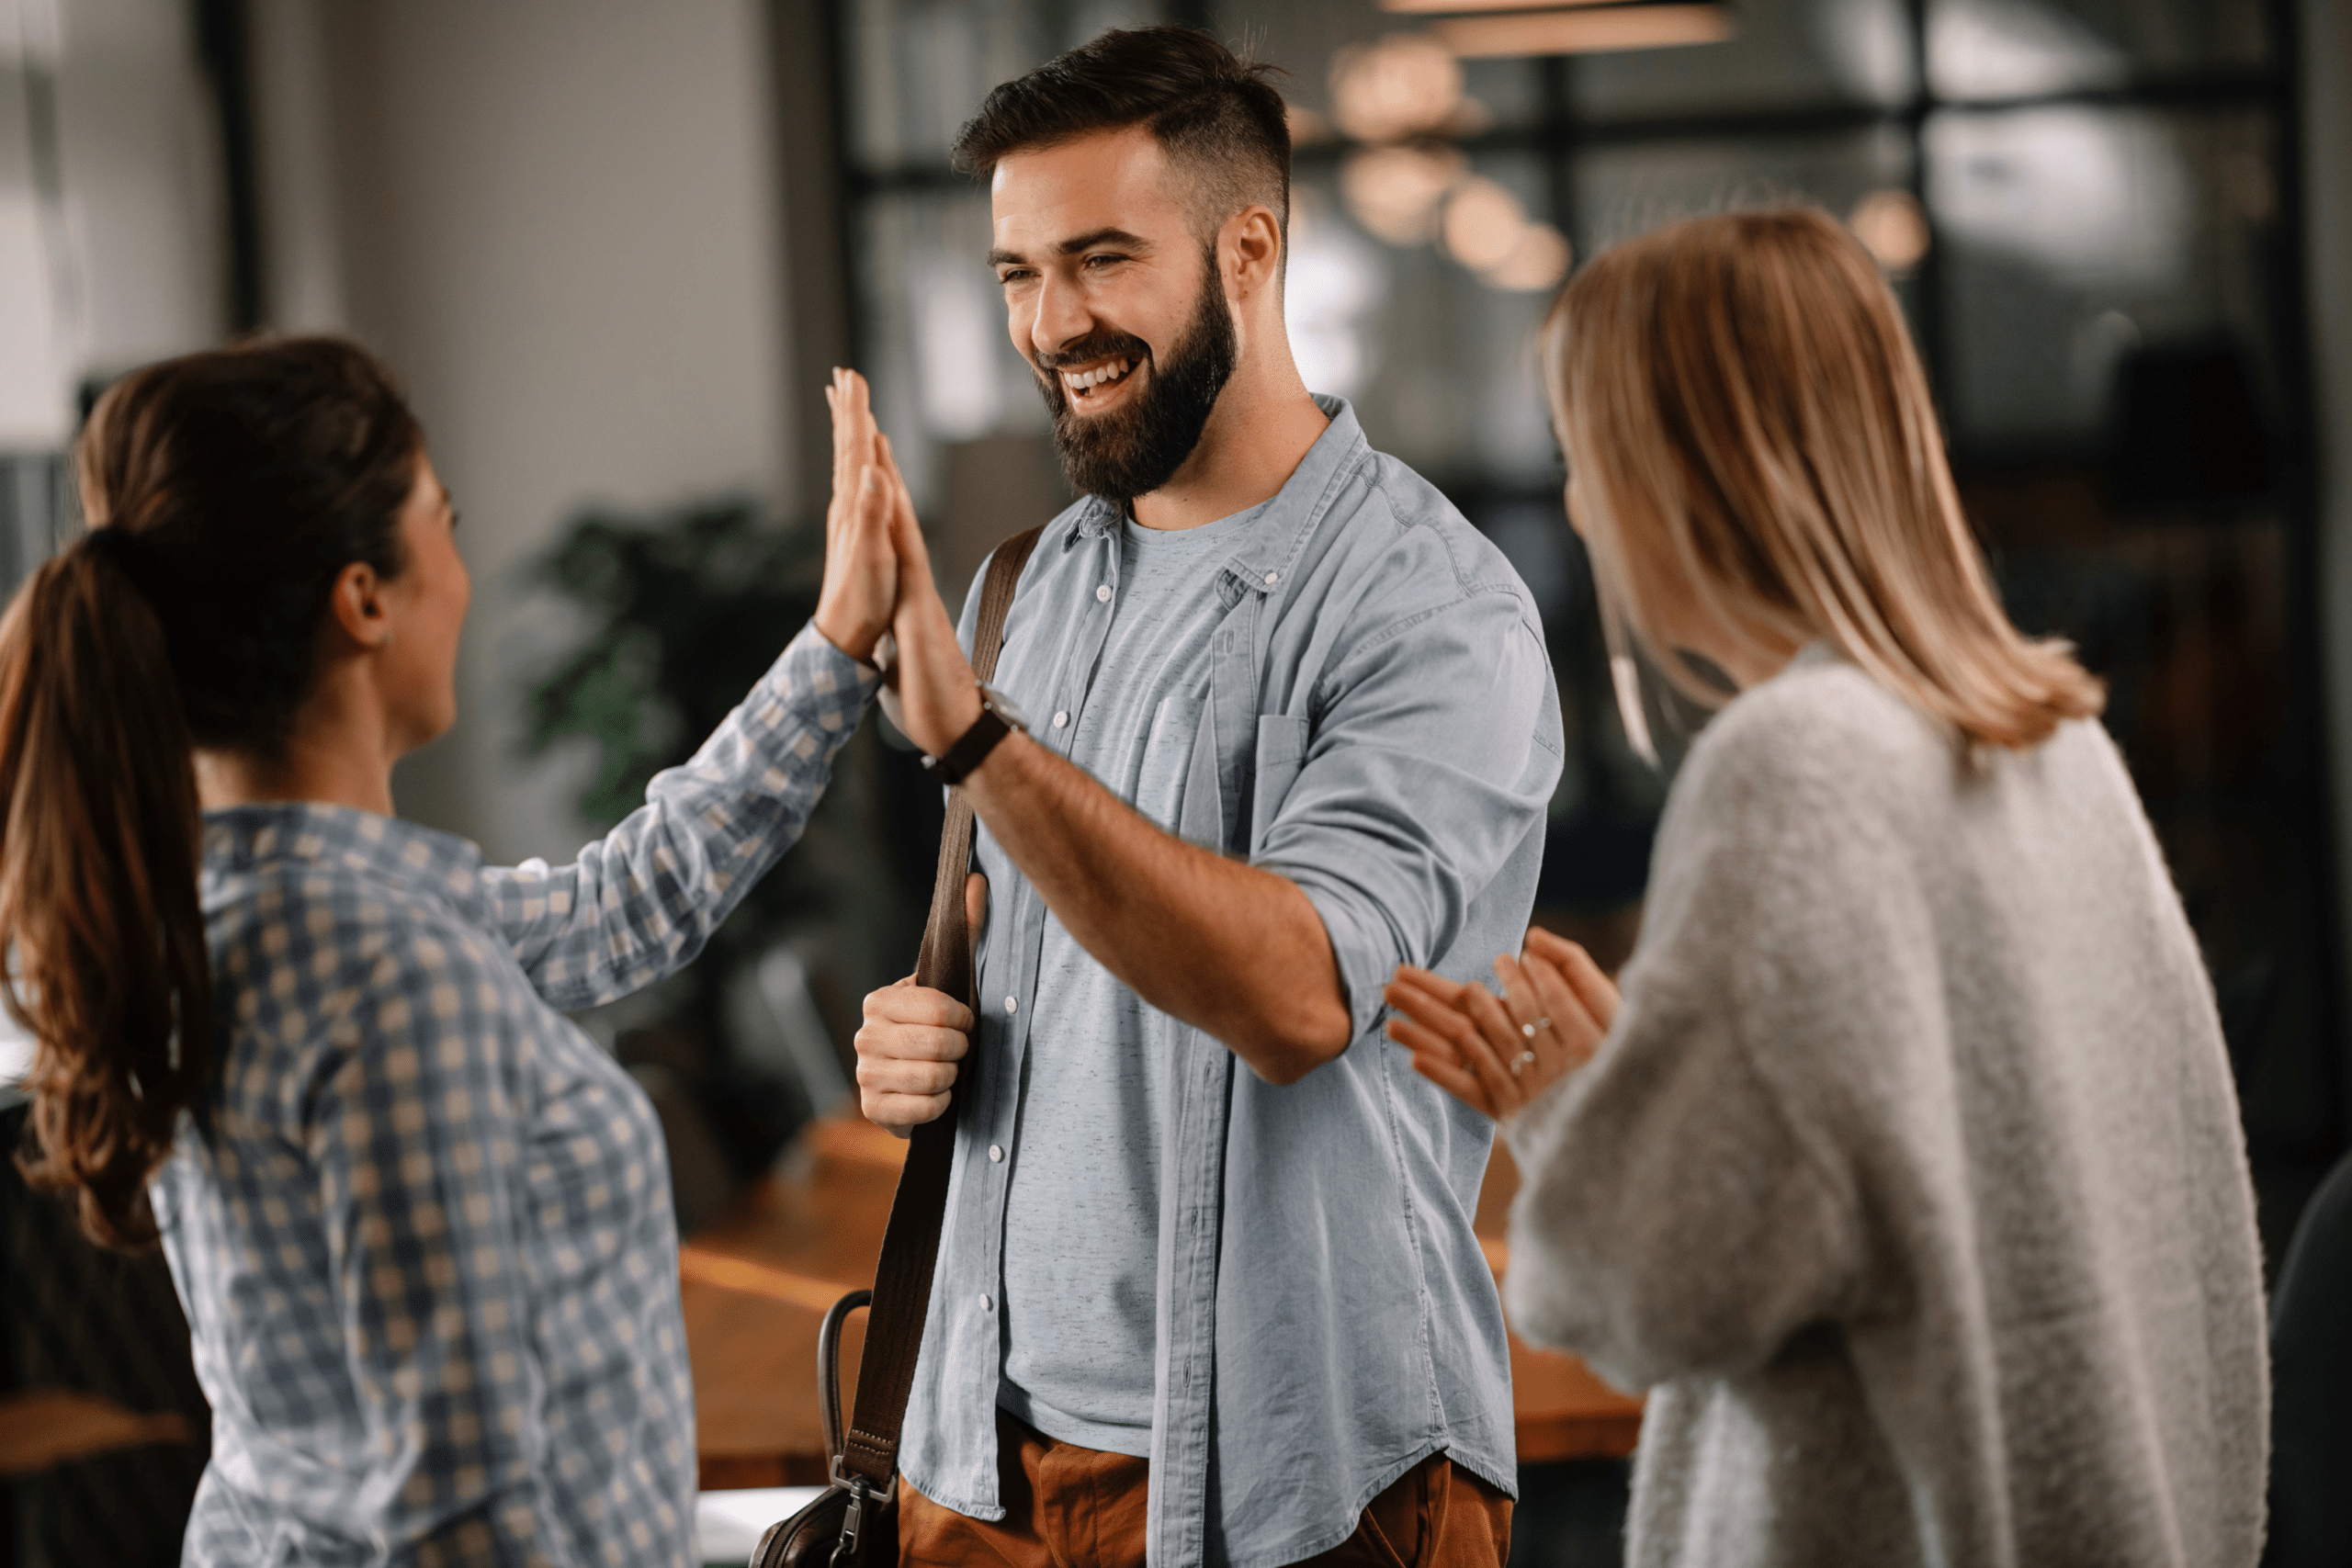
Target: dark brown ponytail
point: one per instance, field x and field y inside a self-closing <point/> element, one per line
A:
<point x="227" y="491"/>
<point x="97" y="883"/>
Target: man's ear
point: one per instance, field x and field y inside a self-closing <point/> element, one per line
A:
<point x="357" y="607"/>
<point x="1254" y="249"/>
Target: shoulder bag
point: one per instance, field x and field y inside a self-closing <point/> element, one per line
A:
<point x="854" y="1524"/>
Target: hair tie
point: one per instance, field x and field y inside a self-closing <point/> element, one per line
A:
<point x="129" y="555"/>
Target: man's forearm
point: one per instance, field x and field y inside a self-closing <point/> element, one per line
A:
<point x="1234" y="951"/>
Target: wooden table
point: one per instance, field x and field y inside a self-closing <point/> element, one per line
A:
<point x="47" y="1426"/>
<point x="756" y="1285"/>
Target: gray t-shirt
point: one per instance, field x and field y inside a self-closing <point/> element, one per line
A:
<point x="1082" y="1223"/>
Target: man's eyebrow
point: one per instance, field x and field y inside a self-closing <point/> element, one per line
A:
<point x="1074" y="246"/>
<point x="1118" y="237"/>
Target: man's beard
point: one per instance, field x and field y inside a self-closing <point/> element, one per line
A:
<point x="1136" y="449"/>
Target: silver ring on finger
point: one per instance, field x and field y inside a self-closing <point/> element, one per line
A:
<point x="1529" y="1030"/>
<point x="1519" y="1064"/>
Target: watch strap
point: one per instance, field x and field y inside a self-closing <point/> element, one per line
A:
<point x="955" y="764"/>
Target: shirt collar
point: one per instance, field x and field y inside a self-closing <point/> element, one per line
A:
<point x="248" y="838"/>
<point x="1263" y="557"/>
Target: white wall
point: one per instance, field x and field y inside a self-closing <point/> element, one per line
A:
<point x="556" y="218"/>
<point x="141" y="146"/>
<point x="123" y="260"/>
<point x="2327" y="108"/>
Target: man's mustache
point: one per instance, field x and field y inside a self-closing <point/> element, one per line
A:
<point x="1102" y="345"/>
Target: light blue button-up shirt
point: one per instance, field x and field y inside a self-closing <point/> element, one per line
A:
<point x="1381" y="726"/>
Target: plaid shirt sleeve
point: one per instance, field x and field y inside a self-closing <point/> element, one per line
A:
<point x="414" y="1137"/>
<point x="641" y="902"/>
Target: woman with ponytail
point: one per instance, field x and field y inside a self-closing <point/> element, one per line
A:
<point x="1905" y="1173"/>
<point x="421" y="1224"/>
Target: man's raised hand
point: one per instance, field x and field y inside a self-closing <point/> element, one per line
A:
<point x="861" y="585"/>
<point x="939" y="697"/>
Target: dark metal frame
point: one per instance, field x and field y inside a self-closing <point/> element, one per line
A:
<point x="807" y="48"/>
<point x="2298" y="478"/>
<point x="224" y="46"/>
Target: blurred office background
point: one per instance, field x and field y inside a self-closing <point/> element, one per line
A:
<point x="614" y="247"/>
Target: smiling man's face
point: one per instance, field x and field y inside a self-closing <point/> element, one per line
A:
<point x="1115" y="297"/>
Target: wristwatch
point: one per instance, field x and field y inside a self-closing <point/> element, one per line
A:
<point x="999" y="718"/>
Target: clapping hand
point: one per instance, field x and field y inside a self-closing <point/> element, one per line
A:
<point x="1496" y="1052"/>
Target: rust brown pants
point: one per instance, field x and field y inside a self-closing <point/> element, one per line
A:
<point x="1071" y="1508"/>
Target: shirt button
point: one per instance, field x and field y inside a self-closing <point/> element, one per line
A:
<point x="1012" y="1004"/>
<point x="1061" y="719"/>
<point x="1273" y="578"/>
<point x="1104" y="593"/>
<point x="996" y="1152"/>
<point x="986" y="1305"/>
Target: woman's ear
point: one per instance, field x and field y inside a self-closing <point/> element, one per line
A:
<point x="358" y="609"/>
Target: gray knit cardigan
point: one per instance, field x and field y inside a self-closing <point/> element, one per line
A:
<point x="1910" y="1181"/>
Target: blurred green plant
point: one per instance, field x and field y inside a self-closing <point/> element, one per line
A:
<point x="686" y="609"/>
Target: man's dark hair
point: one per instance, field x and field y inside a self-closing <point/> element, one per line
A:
<point x="1213" y="113"/>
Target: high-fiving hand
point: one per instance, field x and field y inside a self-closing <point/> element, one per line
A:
<point x="861" y="586"/>
<point x="938" y="696"/>
<point x="1495" y="1053"/>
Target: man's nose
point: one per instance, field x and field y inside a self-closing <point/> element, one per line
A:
<point x="1062" y="318"/>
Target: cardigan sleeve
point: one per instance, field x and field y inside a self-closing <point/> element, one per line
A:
<point x="1690" y="1198"/>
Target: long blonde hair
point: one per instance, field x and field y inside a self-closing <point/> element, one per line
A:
<point x="1752" y="436"/>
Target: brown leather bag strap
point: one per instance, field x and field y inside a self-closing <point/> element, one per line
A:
<point x="886" y="1373"/>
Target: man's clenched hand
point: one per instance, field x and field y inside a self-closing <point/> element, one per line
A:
<point x="913" y="1038"/>
<point x="907" y="1052"/>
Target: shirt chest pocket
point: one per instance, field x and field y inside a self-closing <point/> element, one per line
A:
<point x="1163" y="769"/>
<point x="1281" y="750"/>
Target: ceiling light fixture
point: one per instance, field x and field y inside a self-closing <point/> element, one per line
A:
<point x="1454" y="7"/>
<point x="1587" y="30"/>
<point x="1403" y="85"/>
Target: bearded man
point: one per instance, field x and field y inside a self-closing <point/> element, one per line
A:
<point x="1209" y="1289"/>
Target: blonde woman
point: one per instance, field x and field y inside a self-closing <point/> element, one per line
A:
<point x="1906" y="1173"/>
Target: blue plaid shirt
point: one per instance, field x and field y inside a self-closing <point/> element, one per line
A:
<point x="425" y="1239"/>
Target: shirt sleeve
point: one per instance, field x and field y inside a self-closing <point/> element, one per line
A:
<point x="414" y="1141"/>
<point x="641" y="902"/>
<point x="1688" y="1199"/>
<point x="1433" y="756"/>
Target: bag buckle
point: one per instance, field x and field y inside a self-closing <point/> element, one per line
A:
<point x="845" y="1554"/>
<point x="845" y="1548"/>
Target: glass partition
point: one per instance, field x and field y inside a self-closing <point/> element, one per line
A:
<point x="1788" y="54"/>
<point x="2078" y="237"/>
<point x="2008" y="49"/>
<point x="2081" y="205"/>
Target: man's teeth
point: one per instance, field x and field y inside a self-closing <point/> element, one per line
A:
<point x="1079" y="380"/>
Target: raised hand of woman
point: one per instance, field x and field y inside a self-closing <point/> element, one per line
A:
<point x="861" y="585"/>
<point x="1495" y="1052"/>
